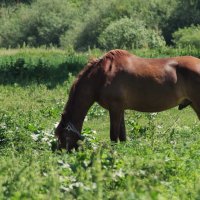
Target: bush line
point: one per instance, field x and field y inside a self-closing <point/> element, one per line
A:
<point x="45" y="65"/>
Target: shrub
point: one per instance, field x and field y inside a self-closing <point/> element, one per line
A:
<point x="129" y="33"/>
<point x="188" y="36"/>
<point x="41" y="23"/>
<point x="39" y="65"/>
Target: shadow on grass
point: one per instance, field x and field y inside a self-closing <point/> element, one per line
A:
<point x="43" y="73"/>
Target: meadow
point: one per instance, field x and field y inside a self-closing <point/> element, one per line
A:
<point x="160" y="160"/>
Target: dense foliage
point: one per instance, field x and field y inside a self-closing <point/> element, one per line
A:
<point x="188" y="36"/>
<point x="186" y="13"/>
<point x="42" y="23"/>
<point x="82" y="24"/>
<point x="131" y="34"/>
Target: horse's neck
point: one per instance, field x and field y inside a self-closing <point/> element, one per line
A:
<point x="77" y="108"/>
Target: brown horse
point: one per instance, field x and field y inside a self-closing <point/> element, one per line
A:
<point x="119" y="81"/>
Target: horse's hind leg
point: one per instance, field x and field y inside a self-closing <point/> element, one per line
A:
<point x="122" y="134"/>
<point x="115" y="123"/>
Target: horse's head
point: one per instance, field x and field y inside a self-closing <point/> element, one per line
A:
<point x="68" y="136"/>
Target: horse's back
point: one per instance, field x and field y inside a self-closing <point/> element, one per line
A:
<point x="145" y="84"/>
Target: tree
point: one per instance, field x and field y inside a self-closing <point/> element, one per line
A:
<point x="188" y="36"/>
<point x="186" y="13"/>
<point x="129" y="33"/>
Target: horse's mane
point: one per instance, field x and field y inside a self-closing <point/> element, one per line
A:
<point x="90" y="69"/>
<point x="115" y="54"/>
<point x="94" y="63"/>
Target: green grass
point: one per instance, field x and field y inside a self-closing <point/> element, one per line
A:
<point x="160" y="160"/>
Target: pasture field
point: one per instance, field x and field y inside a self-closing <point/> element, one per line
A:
<point x="160" y="160"/>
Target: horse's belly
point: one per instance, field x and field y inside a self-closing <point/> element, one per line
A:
<point x="140" y="101"/>
<point x="154" y="102"/>
<point x="150" y="106"/>
<point x="144" y="96"/>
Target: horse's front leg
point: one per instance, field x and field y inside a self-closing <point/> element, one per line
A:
<point x="115" y="123"/>
<point x="122" y="134"/>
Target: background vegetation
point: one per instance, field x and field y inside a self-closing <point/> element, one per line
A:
<point x="82" y="24"/>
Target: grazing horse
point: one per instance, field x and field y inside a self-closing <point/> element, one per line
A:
<point x="120" y="80"/>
